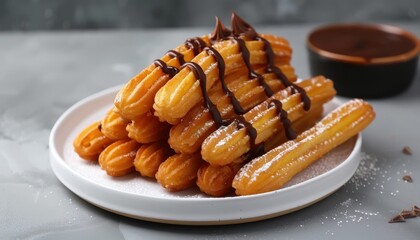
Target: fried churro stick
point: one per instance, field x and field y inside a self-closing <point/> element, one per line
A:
<point x="137" y="96"/>
<point x="150" y="156"/>
<point x="272" y="170"/>
<point x="113" y="125"/>
<point x="300" y="125"/>
<point x="179" y="171"/>
<point x="229" y="143"/>
<point x="188" y="135"/>
<point x="117" y="159"/>
<point x="182" y="92"/>
<point x="217" y="180"/>
<point x="91" y="142"/>
<point x="147" y="129"/>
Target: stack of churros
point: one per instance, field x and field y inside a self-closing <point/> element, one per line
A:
<point x="223" y="112"/>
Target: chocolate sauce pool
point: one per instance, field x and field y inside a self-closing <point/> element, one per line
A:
<point x="361" y="41"/>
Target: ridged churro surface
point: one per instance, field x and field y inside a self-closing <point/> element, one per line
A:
<point x="90" y="142"/>
<point x="217" y="112"/>
<point x="227" y="144"/>
<point x="114" y="126"/>
<point x="272" y="170"/>
<point x="150" y="156"/>
<point x="118" y="158"/>
<point x="179" y="171"/>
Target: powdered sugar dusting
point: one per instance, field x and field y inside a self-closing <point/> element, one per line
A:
<point x="324" y="164"/>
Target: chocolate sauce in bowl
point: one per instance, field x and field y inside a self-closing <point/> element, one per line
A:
<point x="363" y="41"/>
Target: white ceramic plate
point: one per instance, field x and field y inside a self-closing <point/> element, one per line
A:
<point x="141" y="198"/>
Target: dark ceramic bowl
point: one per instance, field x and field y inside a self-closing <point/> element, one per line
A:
<point x="363" y="60"/>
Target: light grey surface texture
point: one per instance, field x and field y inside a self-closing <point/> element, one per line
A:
<point x="42" y="74"/>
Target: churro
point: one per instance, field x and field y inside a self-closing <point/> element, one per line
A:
<point x="217" y="180"/>
<point x="179" y="171"/>
<point x="147" y="129"/>
<point x="150" y="156"/>
<point x="215" y="112"/>
<point x="118" y="158"/>
<point x="272" y="170"/>
<point x="137" y="96"/>
<point x="188" y="135"/>
<point x="90" y="142"/>
<point x="229" y="143"/>
<point x="188" y="87"/>
<point x="114" y="126"/>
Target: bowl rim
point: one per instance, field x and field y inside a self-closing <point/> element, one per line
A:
<point x="361" y="60"/>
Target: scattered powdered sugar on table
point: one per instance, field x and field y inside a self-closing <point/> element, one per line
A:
<point x="373" y="177"/>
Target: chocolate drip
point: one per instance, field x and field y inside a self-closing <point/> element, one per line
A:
<point x="252" y="74"/>
<point x="100" y="126"/>
<point x="201" y="76"/>
<point x="274" y="69"/>
<point x="259" y="150"/>
<point x="290" y="134"/>
<point x="252" y="132"/>
<point x="220" y="32"/>
<point x="196" y="44"/>
<point x="177" y="55"/>
<point x="165" y="68"/>
<point x="221" y="66"/>
<point x="240" y="27"/>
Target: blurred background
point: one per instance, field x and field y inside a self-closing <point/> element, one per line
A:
<point x="32" y="15"/>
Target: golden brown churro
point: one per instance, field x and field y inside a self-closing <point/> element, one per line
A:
<point x="137" y="96"/>
<point x="229" y="143"/>
<point x="113" y="125"/>
<point x="150" y="156"/>
<point x="217" y="180"/>
<point x="182" y="92"/>
<point x="188" y="135"/>
<point x="147" y="129"/>
<point x="272" y="170"/>
<point x="118" y="158"/>
<point x="206" y="112"/>
<point x="91" y="142"/>
<point x="179" y="171"/>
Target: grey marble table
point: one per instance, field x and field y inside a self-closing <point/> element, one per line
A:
<point x="44" y="73"/>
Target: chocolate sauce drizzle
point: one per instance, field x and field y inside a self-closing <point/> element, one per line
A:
<point x="221" y="66"/>
<point x="165" y="68"/>
<point x="201" y="76"/>
<point x="177" y="55"/>
<point x="252" y="74"/>
<point x="196" y="44"/>
<point x="241" y="122"/>
<point x="290" y="134"/>
<point x="240" y="30"/>
<point x="220" y="32"/>
<point x="272" y="68"/>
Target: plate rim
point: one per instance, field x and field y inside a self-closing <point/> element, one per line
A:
<point x="57" y="161"/>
